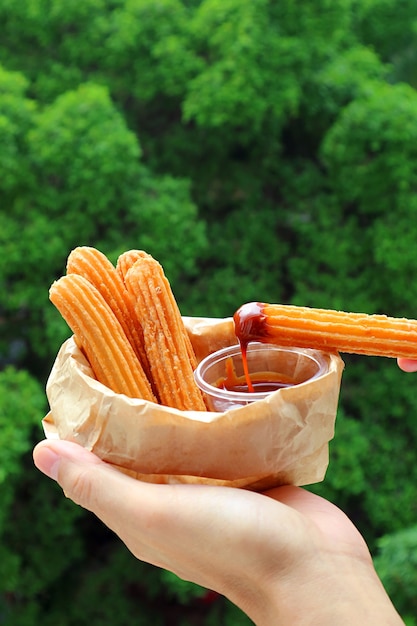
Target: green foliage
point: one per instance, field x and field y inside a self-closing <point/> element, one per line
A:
<point x="370" y="155"/>
<point x="336" y="83"/>
<point x="86" y="185"/>
<point x="16" y="114"/>
<point x="147" y="49"/>
<point x="22" y="406"/>
<point x="81" y="146"/>
<point x="389" y="501"/>
<point x="364" y="477"/>
<point x="396" y="564"/>
<point x="348" y="452"/>
<point x="239" y="269"/>
<point x="236" y="39"/>
<point x="261" y="151"/>
<point x="52" y="37"/>
<point x="390" y="26"/>
<point x="370" y="151"/>
<point x="22" y="403"/>
<point x="164" y="206"/>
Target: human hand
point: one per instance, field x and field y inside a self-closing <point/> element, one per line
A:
<point x="284" y="557"/>
<point x="407" y="365"/>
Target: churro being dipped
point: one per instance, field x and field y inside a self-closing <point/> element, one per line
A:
<point x="327" y="330"/>
<point x="167" y="344"/>
<point x="101" y="336"/>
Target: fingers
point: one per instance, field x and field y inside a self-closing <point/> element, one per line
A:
<point x="157" y="525"/>
<point x="209" y="535"/>
<point x="172" y="526"/>
<point x="119" y="501"/>
<point x="407" y="365"/>
<point x="233" y="541"/>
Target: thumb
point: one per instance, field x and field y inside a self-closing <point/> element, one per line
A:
<point x="132" y="509"/>
<point x="48" y="455"/>
<point x="84" y="478"/>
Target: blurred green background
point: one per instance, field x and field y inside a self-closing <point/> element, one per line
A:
<point x="260" y="150"/>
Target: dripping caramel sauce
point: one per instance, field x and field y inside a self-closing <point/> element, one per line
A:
<point x="260" y="382"/>
<point x="249" y="321"/>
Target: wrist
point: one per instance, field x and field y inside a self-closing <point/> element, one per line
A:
<point x="341" y="590"/>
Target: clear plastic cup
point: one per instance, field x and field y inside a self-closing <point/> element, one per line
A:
<point x="297" y="365"/>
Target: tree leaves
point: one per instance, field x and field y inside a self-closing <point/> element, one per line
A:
<point x="260" y="150"/>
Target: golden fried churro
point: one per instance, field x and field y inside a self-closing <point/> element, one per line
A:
<point x="323" y="329"/>
<point x="127" y="259"/>
<point x="166" y="341"/>
<point x="96" y="268"/>
<point x="101" y="336"/>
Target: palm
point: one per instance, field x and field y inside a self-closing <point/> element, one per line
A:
<point x="335" y="529"/>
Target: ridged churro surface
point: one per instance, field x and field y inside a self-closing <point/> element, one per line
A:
<point x="100" y="272"/>
<point x="324" y="329"/>
<point x="166" y="341"/>
<point x="127" y="259"/>
<point x="101" y="336"/>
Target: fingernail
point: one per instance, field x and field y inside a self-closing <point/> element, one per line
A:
<point x="47" y="461"/>
<point x="408" y="365"/>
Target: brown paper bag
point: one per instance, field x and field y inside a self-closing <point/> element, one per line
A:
<point x="280" y="440"/>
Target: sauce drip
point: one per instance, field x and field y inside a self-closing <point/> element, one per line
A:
<point x="264" y="382"/>
<point x="249" y="322"/>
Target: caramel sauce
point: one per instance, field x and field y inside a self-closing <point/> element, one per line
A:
<point x="250" y="325"/>
<point x="260" y="381"/>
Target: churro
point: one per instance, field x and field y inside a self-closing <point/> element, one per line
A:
<point x="96" y="268"/>
<point x="127" y="259"/>
<point x="167" y="344"/>
<point x="101" y="336"/>
<point x="323" y="329"/>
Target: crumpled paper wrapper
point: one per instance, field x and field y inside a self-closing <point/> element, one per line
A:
<point x="280" y="440"/>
